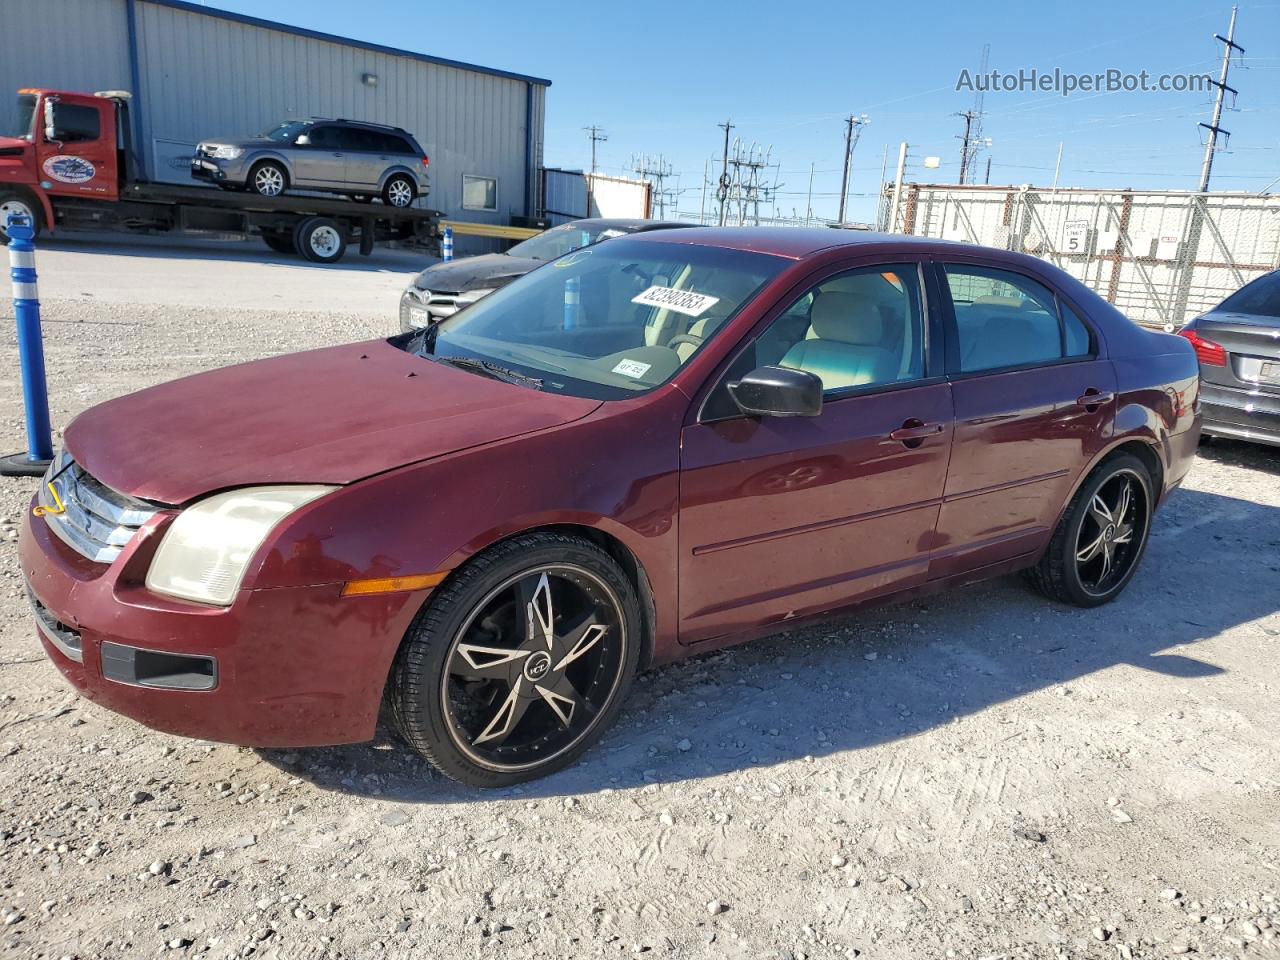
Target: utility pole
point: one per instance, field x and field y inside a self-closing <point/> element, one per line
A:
<point x="655" y="175"/>
<point x="702" y="207"/>
<point x="596" y="135"/>
<point x="891" y="225"/>
<point x="965" y="139"/>
<point x="722" y="194"/>
<point x="853" y="130"/>
<point x="808" y="207"/>
<point x="1211" y="144"/>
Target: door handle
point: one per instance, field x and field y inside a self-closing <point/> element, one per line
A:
<point x="914" y="432"/>
<point x="337" y="154"/>
<point x="1094" y="398"/>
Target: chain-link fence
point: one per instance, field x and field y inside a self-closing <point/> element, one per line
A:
<point x="1161" y="257"/>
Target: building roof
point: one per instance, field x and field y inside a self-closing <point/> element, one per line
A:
<point x="344" y="41"/>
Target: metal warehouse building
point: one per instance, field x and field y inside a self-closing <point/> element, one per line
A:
<point x="197" y="73"/>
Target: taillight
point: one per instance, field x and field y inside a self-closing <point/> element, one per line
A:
<point x="426" y="161"/>
<point x="1208" y="352"/>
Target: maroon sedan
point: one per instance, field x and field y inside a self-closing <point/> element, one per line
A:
<point x="645" y="449"/>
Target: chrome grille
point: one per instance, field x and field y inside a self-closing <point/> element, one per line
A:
<point x="95" y="521"/>
<point x="436" y="305"/>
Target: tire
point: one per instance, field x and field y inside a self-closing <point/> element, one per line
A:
<point x="11" y="203"/>
<point x="267" y="179"/>
<point x="281" y="241"/>
<point x="399" y="191"/>
<point x="1068" y="571"/>
<point x="448" y="694"/>
<point x="320" y="239"/>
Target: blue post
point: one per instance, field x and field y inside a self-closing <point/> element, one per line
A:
<point x="35" y="395"/>
<point x="572" y="291"/>
<point x="446" y="245"/>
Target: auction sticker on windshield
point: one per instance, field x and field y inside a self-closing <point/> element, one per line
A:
<point x="681" y="301"/>
<point x="632" y="368"/>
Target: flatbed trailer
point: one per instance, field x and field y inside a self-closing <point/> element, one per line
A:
<point x="82" y="181"/>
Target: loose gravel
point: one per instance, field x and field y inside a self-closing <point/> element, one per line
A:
<point x="981" y="774"/>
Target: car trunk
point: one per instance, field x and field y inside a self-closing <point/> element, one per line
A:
<point x="1252" y="346"/>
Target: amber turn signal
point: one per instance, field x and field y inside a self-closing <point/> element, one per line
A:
<point x="418" y="581"/>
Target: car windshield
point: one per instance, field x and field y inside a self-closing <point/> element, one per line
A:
<point x="285" y="132"/>
<point x="604" y="322"/>
<point x="1262" y="298"/>
<point x="26" y="114"/>
<point x="560" y="240"/>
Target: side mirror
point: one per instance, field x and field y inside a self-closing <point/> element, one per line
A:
<point x="50" y="128"/>
<point x="302" y="141"/>
<point x="778" y="392"/>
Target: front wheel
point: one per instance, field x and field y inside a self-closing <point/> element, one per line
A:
<point x="1101" y="537"/>
<point x="520" y="662"/>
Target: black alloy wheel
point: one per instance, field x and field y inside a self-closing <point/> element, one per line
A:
<point x="1103" y="533"/>
<point x="520" y="662"/>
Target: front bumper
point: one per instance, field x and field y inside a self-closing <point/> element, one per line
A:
<point x="290" y="666"/>
<point x="1242" y="414"/>
<point x="217" y="171"/>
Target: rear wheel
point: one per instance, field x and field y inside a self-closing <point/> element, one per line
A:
<point x="320" y="239"/>
<point x="268" y="179"/>
<point x="399" y="191"/>
<point x="1103" y="533"/>
<point x="281" y="241"/>
<point x="15" y="204"/>
<point x="520" y="662"/>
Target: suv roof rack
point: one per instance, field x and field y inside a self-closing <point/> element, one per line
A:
<point x="370" y="123"/>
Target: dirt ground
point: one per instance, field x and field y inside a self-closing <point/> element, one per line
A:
<point x="979" y="775"/>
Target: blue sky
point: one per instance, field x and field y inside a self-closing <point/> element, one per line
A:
<point x="659" y="77"/>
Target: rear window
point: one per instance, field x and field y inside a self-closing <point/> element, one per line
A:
<point x="373" y="141"/>
<point x="1261" y="297"/>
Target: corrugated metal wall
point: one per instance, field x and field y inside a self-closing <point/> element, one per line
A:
<point x="206" y="75"/>
<point x="66" y="44"/>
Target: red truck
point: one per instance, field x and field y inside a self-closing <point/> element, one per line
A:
<point x="74" y="165"/>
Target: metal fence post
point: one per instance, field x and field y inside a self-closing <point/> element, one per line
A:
<point x="35" y="394"/>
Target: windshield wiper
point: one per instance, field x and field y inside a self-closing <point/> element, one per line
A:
<point x="493" y="371"/>
<point x="426" y="338"/>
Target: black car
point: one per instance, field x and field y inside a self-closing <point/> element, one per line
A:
<point x="1238" y="343"/>
<point x="443" y="289"/>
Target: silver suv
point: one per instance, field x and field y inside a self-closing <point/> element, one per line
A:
<point x="362" y="160"/>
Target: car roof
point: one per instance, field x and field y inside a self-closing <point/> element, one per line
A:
<point x="629" y="224"/>
<point x="355" y="123"/>
<point x="795" y="243"/>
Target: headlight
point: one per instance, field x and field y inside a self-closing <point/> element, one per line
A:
<point x="224" y="152"/>
<point x="471" y="296"/>
<point x="205" y="552"/>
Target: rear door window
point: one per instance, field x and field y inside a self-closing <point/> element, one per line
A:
<point x="1004" y="319"/>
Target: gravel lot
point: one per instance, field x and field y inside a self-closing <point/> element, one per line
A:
<point x="979" y="775"/>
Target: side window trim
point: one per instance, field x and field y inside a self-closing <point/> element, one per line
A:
<point x="931" y="328"/>
<point x="952" y="330"/>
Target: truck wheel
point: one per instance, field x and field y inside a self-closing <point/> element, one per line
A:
<point x="13" y="203"/>
<point x="320" y="239"/>
<point x="268" y="179"/>
<point x="281" y="241"/>
<point x="399" y="191"/>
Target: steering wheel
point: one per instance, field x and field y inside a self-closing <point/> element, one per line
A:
<point x="690" y="338"/>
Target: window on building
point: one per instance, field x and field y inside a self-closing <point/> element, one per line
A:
<point x="479" y="193"/>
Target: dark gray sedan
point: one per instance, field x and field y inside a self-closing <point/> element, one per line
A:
<point x="445" y="288"/>
<point x="1238" y="343"/>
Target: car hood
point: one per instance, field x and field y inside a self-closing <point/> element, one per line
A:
<point x="334" y="415"/>
<point x="471" y="272"/>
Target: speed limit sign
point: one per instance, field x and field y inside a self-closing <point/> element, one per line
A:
<point x="1076" y="235"/>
